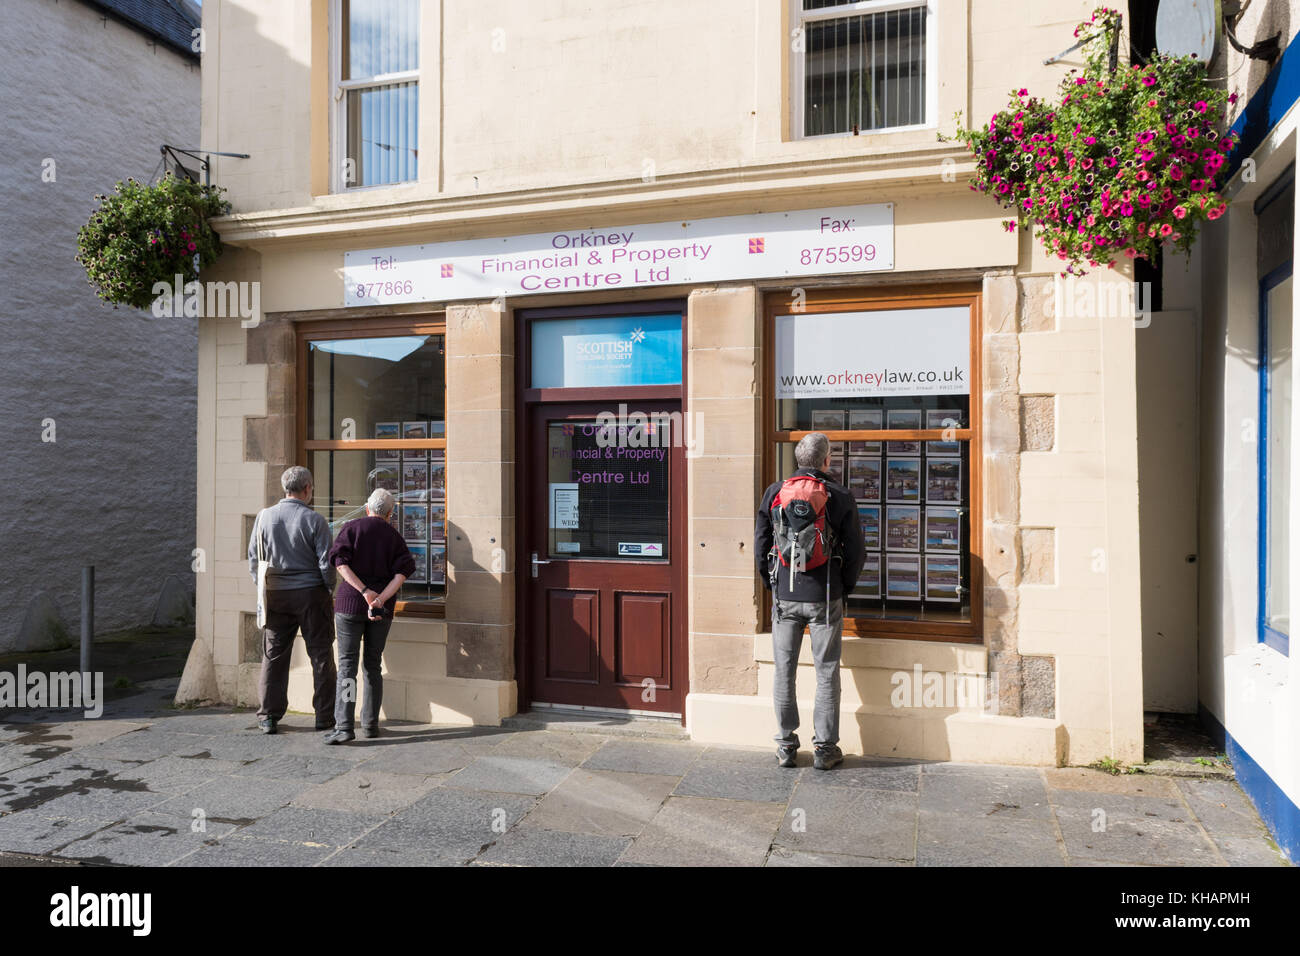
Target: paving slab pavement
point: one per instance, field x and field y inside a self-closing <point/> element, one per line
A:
<point x="148" y="785"/>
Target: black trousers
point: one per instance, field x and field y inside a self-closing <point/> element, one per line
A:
<point x="310" y="610"/>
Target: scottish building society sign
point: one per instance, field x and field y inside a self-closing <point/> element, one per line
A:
<point x="842" y="239"/>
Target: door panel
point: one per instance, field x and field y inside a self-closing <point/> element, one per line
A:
<point x="572" y="618"/>
<point x="643" y="639"/>
<point x="603" y="540"/>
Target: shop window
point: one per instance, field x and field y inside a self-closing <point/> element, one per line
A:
<point x="376" y="62"/>
<point x="375" y="417"/>
<point x="890" y="383"/>
<point x="861" y="66"/>
<point x="1276" y="212"/>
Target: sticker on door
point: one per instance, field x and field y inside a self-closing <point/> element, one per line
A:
<point x="652" y="549"/>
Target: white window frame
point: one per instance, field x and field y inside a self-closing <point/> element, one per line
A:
<point x="799" y="19"/>
<point x="339" y="88"/>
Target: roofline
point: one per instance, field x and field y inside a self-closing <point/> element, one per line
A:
<point x="185" y="51"/>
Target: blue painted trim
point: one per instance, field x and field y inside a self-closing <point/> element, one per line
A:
<point x="1276" y="95"/>
<point x="1280" y="814"/>
<point x="1273" y="638"/>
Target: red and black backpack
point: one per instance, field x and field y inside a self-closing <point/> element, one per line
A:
<point x="800" y="537"/>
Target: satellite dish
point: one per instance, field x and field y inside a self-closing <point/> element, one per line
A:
<point x="1187" y="28"/>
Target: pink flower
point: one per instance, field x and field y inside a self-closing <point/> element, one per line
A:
<point x="1090" y="140"/>
<point x="1175" y="171"/>
<point x="1022" y="92"/>
<point x="1180" y="212"/>
<point x="1216" y="212"/>
<point x="1148" y="81"/>
<point x="1166" y="229"/>
<point x="1195" y="185"/>
<point x="1201" y="106"/>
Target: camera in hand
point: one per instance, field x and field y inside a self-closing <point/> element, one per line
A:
<point x="377" y="613"/>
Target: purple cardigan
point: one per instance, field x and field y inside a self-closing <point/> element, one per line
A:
<point x="375" y="551"/>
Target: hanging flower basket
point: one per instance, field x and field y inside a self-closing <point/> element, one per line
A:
<point x="147" y="234"/>
<point x="1124" y="163"/>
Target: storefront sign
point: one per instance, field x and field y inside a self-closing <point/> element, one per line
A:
<point x="604" y="352"/>
<point x="854" y="354"/>
<point x="841" y="239"/>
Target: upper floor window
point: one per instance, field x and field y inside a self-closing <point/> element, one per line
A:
<point x="376" y="70"/>
<point x="862" y="66"/>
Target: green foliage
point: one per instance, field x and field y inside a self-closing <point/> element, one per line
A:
<point x="142" y="235"/>
<point x="1107" y="765"/>
<point x="1124" y="163"/>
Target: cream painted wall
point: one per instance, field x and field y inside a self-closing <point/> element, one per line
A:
<point x="517" y="95"/>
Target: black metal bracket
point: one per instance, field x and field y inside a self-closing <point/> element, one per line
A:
<point x="1270" y="48"/>
<point x="204" y="156"/>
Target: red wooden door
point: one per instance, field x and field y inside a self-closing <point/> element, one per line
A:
<point x="604" y="520"/>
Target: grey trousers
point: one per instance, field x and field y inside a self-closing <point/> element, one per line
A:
<point x="788" y="621"/>
<point x="358" y="636"/>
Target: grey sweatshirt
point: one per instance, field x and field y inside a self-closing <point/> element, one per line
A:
<point x="297" y="545"/>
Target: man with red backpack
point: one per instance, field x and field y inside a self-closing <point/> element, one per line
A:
<point x="809" y="548"/>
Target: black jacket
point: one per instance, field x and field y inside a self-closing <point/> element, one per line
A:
<point x="846" y="560"/>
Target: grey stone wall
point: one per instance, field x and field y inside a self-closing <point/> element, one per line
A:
<point x="116" y="486"/>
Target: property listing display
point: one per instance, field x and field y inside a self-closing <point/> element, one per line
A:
<point x="913" y="502"/>
<point x="900" y="372"/>
<point x="419" y="482"/>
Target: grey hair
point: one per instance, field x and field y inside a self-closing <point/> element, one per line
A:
<point x="381" y="502"/>
<point x="812" y="450"/>
<point x="295" y="480"/>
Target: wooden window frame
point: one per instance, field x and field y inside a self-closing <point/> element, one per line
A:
<point x="363" y="328"/>
<point x="872" y="300"/>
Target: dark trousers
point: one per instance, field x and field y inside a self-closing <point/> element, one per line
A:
<point x="360" y="637"/>
<point x="311" y="611"/>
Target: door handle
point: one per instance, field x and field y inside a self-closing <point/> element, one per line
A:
<point x="536" y="562"/>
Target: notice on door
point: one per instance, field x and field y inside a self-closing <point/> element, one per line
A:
<point x="564" y="505"/>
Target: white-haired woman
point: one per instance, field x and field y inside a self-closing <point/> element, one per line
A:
<point x="372" y="560"/>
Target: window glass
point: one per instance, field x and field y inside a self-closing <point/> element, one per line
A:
<point x="383" y="125"/>
<point x="607" y="352"/>
<point x="380" y="119"/>
<point x="865" y="71"/>
<point x="607" y="499"/>
<point x="377" y="388"/>
<point x="382" y="37"/>
<point x="869" y="373"/>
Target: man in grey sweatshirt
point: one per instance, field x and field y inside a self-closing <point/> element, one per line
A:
<point x="299" y="584"/>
